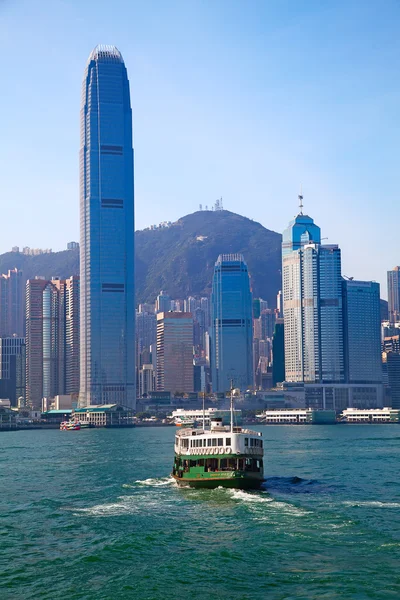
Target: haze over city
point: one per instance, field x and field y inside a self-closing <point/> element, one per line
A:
<point x="227" y="101"/>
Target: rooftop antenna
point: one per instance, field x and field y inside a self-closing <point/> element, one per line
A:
<point x="300" y="197"/>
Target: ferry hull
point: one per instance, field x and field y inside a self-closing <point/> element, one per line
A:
<point x="240" y="482"/>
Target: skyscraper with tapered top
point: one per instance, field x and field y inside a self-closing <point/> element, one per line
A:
<point x="312" y="304"/>
<point x="107" y="338"/>
<point x="231" y="324"/>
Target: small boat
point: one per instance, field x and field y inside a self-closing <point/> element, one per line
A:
<point x="223" y="455"/>
<point x="70" y="426"/>
<point x="185" y="422"/>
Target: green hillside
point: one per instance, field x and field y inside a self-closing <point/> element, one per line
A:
<point x="180" y="259"/>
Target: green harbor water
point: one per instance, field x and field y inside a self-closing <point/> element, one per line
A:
<point x="93" y="514"/>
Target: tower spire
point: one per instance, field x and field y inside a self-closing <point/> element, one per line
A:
<point x="300" y="197"/>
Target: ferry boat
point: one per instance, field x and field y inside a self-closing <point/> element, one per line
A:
<point x="223" y="455"/>
<point x="70" y="426"/>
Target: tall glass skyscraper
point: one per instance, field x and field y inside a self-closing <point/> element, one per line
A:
<point x="232" y="324"/>
<point x="362" y="331"/>
<point x="312" y="305"/>
<point x="107" y="337"/>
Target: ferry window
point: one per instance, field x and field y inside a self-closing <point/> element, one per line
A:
<point x="251" y="442"/>
<point x="193" y="463"/>
<point x="261" y="443"/>
<point x="214" y="442"/>
<point x="201" y="462"/>
<point x="228" y="441"/>
<point x="209" y="442"/>
<point x="246" y="441"/>
<point x="220" y="441"/>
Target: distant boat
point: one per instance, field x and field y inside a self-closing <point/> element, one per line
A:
<point x="185" y="422"/>
<point x="70" y="426"/>
<point x="223" y="455"/>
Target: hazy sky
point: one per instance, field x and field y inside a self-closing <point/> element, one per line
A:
<point x="243" y="99"/>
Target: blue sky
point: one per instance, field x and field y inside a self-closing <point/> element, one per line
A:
<point x="243" y="99"/>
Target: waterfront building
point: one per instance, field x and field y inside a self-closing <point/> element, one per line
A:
<point x="338" y="396"/>
<point x="363" y="363"/>
<point x="107" y="339"/>
<point x="12" y="369"/>
<point x="393" y="284"/>
<point x="232" y="324"/>
<point x="371" y="415"/>
<point x="163" y="302"/>
<point x="12" y="305"/>
<point x="105" y="415"/>
<point x="298" y="416"/>
<point x="312" y="305"/>
<point x="174" y="352"/>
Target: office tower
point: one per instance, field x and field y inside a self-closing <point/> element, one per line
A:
<point x="174" y="352"/>
<point x="146" y="380"/>
<point x="107" y="339"/>
<point x="393" y="285"/>
<point x="267" y="318"/>
<point x="12" y="369"/>
<point x="231" y="324"/>
<point x="205" y="306"/>
<point x="190" y="304"/>
<point x="362" y="331"/>
<point x="393" y="370"/>
<point x="72" y="334"/>
<point x="278" y="353"/>
<point x="256" y="308"/>
<point x="12" y="305"/>
<point x="163" y="302"/>
<point x="146" y="307"/>
<point x="199" y="330"/>
<point x="312" y="305"/>
<point x="279" y="304"/>
<point x="146" y="329"/>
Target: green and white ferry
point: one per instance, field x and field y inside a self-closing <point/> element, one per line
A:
<point x="225" y="456"/>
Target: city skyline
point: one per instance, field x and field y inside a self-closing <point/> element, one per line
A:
<point x="338" y="114"/>
<point x="107" y="307"/>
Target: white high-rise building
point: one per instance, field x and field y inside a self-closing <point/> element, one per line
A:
<point x="312" y="305"/>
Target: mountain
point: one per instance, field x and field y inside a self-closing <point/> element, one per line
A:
<point x="180" y="258"/>
<point x="56" y="264"/>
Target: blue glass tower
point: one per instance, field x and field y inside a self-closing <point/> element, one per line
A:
<point x="107" y="338"/>
<point x="232" y="324"/>
<point x="312" y="304"/>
